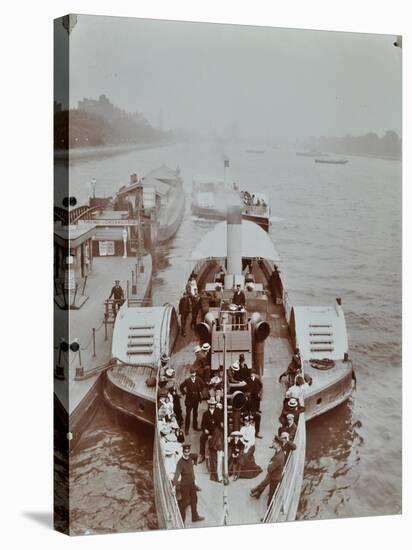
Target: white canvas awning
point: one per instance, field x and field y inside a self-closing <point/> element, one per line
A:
<point x="256" y="243"/>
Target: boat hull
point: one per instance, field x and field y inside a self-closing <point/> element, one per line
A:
<point x="213" y="214"/>
<point x="328" y="396"/>
<point x="139" y="407"/>
<point x="176" y="212"/>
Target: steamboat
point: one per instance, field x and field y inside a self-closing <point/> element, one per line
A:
<point x="210" y="197"/>
<point x="150" y="361"/>
<point x="266" y="331"/>
<point x="160" y="196"/>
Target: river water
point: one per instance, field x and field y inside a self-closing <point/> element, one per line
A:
<point x="338" y="230"/>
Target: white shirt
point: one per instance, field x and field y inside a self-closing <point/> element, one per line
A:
<point x="248" y="433"/>
<point x="298" y="392"/>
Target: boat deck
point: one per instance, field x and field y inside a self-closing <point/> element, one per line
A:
<point x="243" y="509"/>
<point x="69" y="391"/>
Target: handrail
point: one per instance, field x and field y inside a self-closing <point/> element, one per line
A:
<point x="285" y="501"/>
<point x="229" y="327"/>
<point x="168" y="309"/>
<point x="165" y="491"/>
<point x="255" y="209"/>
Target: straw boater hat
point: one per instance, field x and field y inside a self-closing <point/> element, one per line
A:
<point x="235" y="366"/>
<point x="239" y="434"/>
<point x="211" y="401"/>
<point x="293" y="402"/>
<point x="206" y="346"/>
<point x="290" y="415"/>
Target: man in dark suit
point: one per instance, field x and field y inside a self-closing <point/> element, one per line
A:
<point x="239" y="299"/>
<point x="187" y="484"/>
<point x="244" y="371"/>
<point x="185" y="308"/>
<point x="192" y="388"/>
<point x="211" y="419"/>
<point x="254" y="392"/>
<point x="118" y="296"/>
<point x="195" y="304"/>
<point x="274" y="472"/>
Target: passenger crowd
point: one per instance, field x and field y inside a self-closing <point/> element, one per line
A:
<point x="202" y="384"/>
<point x="205" y="384"/>
<point x="249" y="199"/>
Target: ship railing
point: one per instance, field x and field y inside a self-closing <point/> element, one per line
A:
<point x="285" y="500"/>
<point x="286" y="304"/>
<point x="139" y="302"/>
<point x="228" y="327"/>
<point x="255" y="210"/>
<point x="165" y="491"/>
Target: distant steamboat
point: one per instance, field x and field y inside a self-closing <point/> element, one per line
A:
<point x="210" y="197"/>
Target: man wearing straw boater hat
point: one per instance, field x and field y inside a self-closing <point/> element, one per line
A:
<point x="187" y="485"/>
<point x="200" y="365"/>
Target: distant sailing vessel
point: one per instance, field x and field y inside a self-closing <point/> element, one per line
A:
<point x="311" y="153"/>
<point x="331" y="161"/>
<point x="255" y="151"/>
<point x="210" y="197"/>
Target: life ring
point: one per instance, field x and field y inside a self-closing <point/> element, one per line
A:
<point x="322" y="364"/>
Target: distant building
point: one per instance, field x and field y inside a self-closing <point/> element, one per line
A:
<point x="102" y="107"/>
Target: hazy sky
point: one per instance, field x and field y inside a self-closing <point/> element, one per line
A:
<point x="269" y="82"/>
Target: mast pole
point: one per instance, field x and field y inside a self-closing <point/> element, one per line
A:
<point x="225" y="438"/>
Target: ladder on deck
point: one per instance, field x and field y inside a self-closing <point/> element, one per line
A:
<point x="321" y="337"/>
<point x="140" y="340"/>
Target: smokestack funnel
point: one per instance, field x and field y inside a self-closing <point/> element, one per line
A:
<point x="234" y="244"/>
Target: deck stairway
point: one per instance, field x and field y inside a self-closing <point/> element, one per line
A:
<point x="321" y="337"/>
<point x="140" y="340"/>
